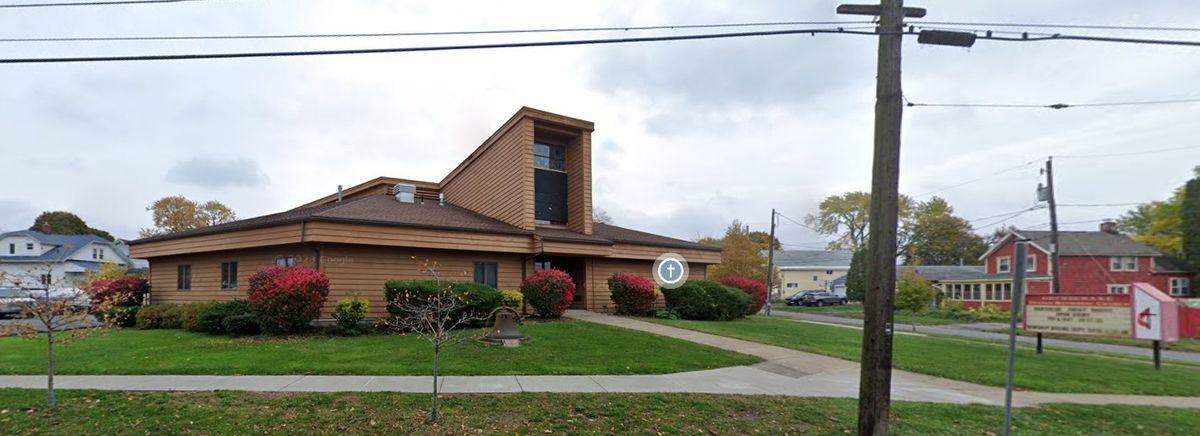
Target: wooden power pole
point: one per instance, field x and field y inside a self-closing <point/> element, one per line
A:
<point x="1055" y="286"/>
<point x="770" y="261"/>
<point x="875" y="378"/>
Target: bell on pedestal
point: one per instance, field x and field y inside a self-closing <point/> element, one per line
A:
<point x="504" y="331"/>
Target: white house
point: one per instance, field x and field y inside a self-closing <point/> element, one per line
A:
<point x="31" y="259"/>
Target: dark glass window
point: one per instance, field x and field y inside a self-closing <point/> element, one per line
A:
<point x="485" y="272"/>
<point x="285" y="261"/>
<point x="183" y="278"/>
<point x="229" y="275"/>
<point x="551" y="157"/>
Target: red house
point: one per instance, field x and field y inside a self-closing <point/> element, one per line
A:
<point x="1091" y="262"/>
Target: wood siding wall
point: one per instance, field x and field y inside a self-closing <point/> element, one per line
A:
<point x="498" y="183"/>
<point x="599" y="299"/>
<point x="351" y="268"/>
<point x="413" y="237"/>
<point x="579" y="183"/>
<point x="206" y="272"/>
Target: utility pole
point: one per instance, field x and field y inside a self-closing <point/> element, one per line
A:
<point x="875" y="376"/>
<point x="1055" y="286"/>
<point x="770" y="261"/>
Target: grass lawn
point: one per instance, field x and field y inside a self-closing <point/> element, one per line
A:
<point x="559" y="347"/>
<point x="973" y="361"/>
<point x="856" y="311"/>
<point x="1190" y="345"/>
<point x="94" y="412"/>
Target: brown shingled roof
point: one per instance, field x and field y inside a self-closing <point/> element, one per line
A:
<point x="630" y="236"/>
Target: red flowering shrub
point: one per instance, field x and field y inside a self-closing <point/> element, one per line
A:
<point x="549" y="292"/>
<point x="120" y="291"/>
<point x="285" y="300"/>
<point x="631" y="293"/>
<point x="755" y="289"/>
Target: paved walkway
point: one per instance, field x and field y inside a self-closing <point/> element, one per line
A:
<point x="973" y="333"/>
<point x="784" y="372"/>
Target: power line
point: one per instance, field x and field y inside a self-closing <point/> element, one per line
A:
<point x="111" y="3"/>
<point x="1005" y="218"/>
<point x="1060" y="26"/>
<point x="1055" y="106"/>
<point x="1099" y="205"/>
<point x="1132" y="153"/>
<point x="432" y="33"/>
<point x="964" y="183"/>
<point x="431" y="48"/>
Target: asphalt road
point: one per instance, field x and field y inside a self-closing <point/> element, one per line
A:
<point x="1001" y="337"/>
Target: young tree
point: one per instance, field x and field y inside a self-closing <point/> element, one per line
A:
<point x="937" y="237"/>
<point x="601" y="216"/>
<point x="66" y="223"/>
<point x="846" y="217"/>
<point x="914" y="293"/>
<point x="57" y="309"/>
<point x="177" y="213"/>
<point x="430" y="317"/>
<point x="760" y="237"/>
<point x="1189" y="219"/>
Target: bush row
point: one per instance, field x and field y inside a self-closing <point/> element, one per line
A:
<point x="707" y="300"/>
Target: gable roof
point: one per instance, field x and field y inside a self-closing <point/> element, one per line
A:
<point x="819" y="258"/>
<point x="64" y="246"/>
<point x="630" y="236"/>
<point x="1081" y="243"/>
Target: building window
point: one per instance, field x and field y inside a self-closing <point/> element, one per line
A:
<point x="975" y="291"/>
<point x="229" y="275"/>
<point x="550" y="157"/>
<point x="1002" y="264"/>
<point x="97" y="253"/>
<point x="12" y="248"/>
<point x="793" y="285"/>
<point x="1008" y="291"/>
<point x="1031" y="263"/>
<point x="1118" y="289"/>
<point x="829" y="272"/>
<point x="816" y="278"/>
<point x="1180" y="285"/>
<point x="987" y="292"/>
<point x="485" y="272"/>
<point x="285" y="261"/>
<point x="29" y="246"/>
<point x="183" y="277"/>
<point x="1124" y="263"/>
<point x="46" y="279"/>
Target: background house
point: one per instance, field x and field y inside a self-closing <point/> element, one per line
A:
<point x="807" y="270"/>
<point x="1091" y="262"/>
<point x="31" y="257"/>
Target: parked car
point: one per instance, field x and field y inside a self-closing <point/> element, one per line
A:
<point x="822" y="299"/>
<point x="797" y="298"/>
<point x="11" y="300"/>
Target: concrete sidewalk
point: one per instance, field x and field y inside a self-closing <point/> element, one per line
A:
<point x="952" y="330"/>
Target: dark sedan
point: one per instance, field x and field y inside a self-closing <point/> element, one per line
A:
<point x="822" y="299"/>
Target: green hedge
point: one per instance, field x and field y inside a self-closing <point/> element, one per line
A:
<point x="480" y="299"/>
<point x="211" y="320"/>
<point x="705" y="300"/>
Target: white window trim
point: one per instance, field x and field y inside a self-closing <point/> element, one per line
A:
<point x="1004" y="261"/>
<point x="1184" y="289"/>
<point x="1123" y="289"/>
<point x="1117" y="263"/>
<point x="1030" y="262"/>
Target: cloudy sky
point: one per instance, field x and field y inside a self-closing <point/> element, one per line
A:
<point x="689" y="135"/>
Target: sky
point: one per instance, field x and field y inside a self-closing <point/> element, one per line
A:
<point x="689" y="135"/>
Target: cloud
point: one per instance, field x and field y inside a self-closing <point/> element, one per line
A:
<point x="217" y="173"/>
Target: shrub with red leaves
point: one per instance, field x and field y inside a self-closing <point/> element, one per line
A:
<point x="755" y="289"/>
<point x="631" y="294"/>
<point x="121" y="291"/>
<point x="549" y="292"/>
<point x="285" y="299"/>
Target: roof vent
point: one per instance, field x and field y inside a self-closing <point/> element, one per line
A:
<point x="405" y="193"/>
<point x="1109" y="226"/>
<point x="441" y="199"/>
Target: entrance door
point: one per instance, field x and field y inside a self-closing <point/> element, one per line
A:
<point x="573" y="266"/>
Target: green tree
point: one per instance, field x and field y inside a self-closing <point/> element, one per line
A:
<point x="177" y="214"/>
<point x="937" y="237"/>
<point x="846" y="218"/>
<point x="65" y="223"/>
<point x="761" y="238"/>
<point x="1157" y="223"/>
<point x="1189" y="221"/>
<point x="856" y="277"/>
